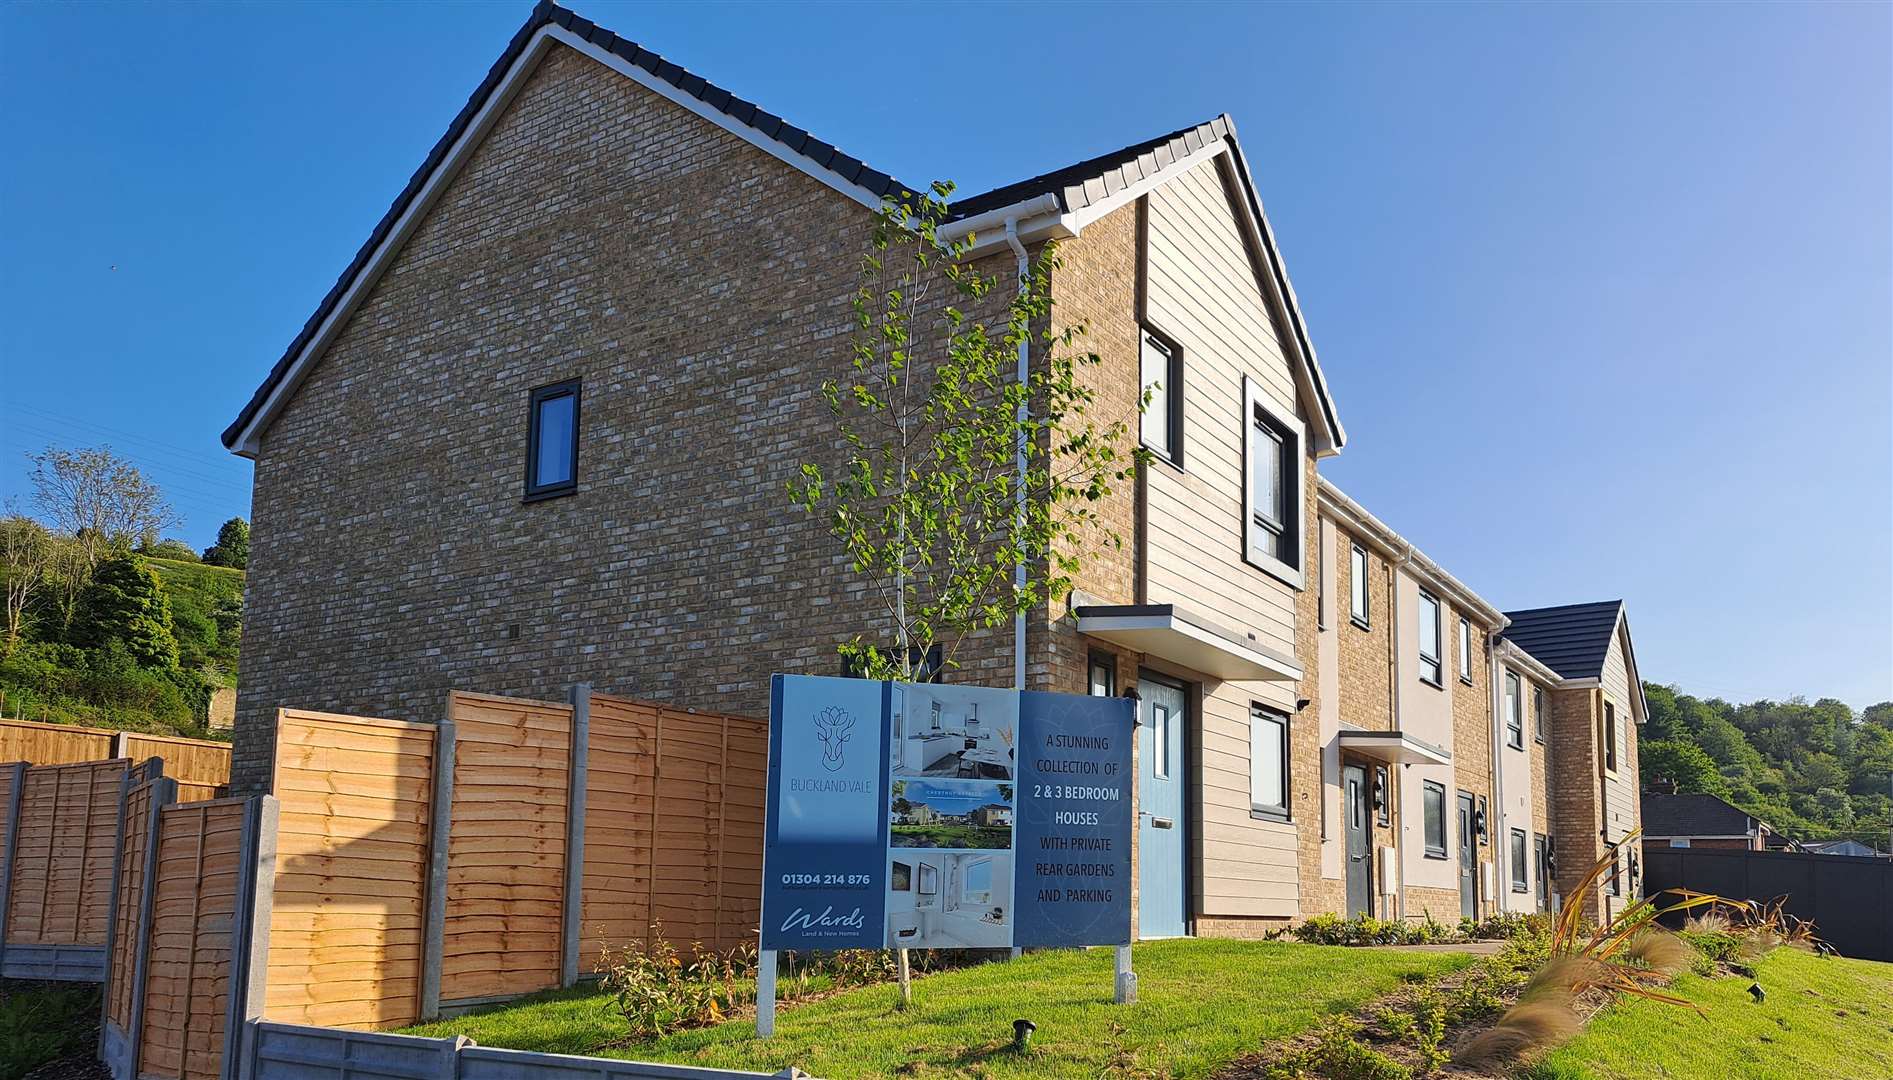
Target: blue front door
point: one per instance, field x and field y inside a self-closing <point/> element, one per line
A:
<point x="1161" y="903"/>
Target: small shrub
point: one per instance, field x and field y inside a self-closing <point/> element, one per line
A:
<point x="658" y="989"/>
<point x="1337" y="1054"/>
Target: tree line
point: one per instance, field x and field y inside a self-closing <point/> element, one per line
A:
<point x="1813" y="771"/>
<point x="107" y="622"/>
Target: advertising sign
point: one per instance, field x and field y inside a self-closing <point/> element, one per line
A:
<point x="907" y="815"/>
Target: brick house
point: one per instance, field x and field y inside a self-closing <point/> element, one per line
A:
<point x="539" y="430"/>
<point x="1704" y="821"/>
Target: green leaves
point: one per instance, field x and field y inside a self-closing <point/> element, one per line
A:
<point x="953" y="473"/>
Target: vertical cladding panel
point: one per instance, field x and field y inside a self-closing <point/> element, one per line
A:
<point x="351" y="870"/>
<point x="198" y="864"/>
<point x="133" y="870"/>
<point x="61" y="891"/>
<point x="673" y="830"/>
<point x="506" y="847"/>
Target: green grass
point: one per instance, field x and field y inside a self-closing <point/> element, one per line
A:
<point x="1823" y="1017"/>
<point x="1202" y="1004"/>
<point x="951" y="836"/>
<point x="42" y="1022"/>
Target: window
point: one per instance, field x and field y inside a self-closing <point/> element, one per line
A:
<point x="1322" y="547"/>
<point x="1538" y="713"/>
<point x="552" y="441"/>
<point x="1160" y="740"/>
<point x="1268" y="762"/>
<point x="1615" y="885"/>
<point x="1519" y="884"/>
<point x="1610" y="737"/>
<point x="1272" y="488"/>
<point x="1434" y="796"/>
<point x="1679" y="841"/>
<point x="1514" y="718"/>
<point x="1541" y="866"/>
<point x="1429" y="640"/>
<point x="1103" y="675"/>
<point x="1357" y="586"/>
<point x="1383" y="806"/>
<point x="1465" y="652"/>
<point x="1161" y="372"/>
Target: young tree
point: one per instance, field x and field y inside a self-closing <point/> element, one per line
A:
<point x="936" y="427"/>
<point x="124" y="602"/>
<point x="233" y="545"/>
<point x="100" y="499"/>
<point x="26" y="553"/>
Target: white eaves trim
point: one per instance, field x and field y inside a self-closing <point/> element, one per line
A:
<point x="249" y="442"/>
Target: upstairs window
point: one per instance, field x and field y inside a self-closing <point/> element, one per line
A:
<point x="1514" y="715"/>
<point x="1161" y="373"/>
<point x="1610" y="736"/>
<point x="1538" y="713"/>
<point x="552" y="441"/>
<point x="1271" y="488"/>
<point x="1357" y="586"/>
<point x="1430" y="668"/>
<point x="1465" y="652"/>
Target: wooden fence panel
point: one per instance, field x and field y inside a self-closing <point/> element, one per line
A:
<point x="199" y="868"/>
<point x="347" y="926"/>
<point x="134" y="866"/>
<point x="53" y="744"/>
<point x="673" y="826"/>
<point x="61" y="888"/>
<point x="201" y="769"/>
<point x="503" y="929"/>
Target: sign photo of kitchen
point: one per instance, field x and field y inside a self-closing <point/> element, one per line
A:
<point x="961" y="732"/>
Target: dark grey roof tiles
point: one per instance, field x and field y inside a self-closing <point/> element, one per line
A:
<point x="1692" y="815"/>
<point x="1572" y="639"/>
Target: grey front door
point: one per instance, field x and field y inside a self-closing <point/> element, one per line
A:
<point x="1360" y="841"/>
<point x="1468" y="861"/>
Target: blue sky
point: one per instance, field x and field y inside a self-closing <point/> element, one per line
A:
<point x="1602" y="292"/>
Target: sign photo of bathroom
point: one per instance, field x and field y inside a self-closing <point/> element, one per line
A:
<point x="950" y="900"/>
<point x="963" y="732"/>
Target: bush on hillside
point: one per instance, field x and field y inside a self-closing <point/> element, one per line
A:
<point x="232" y="548"/>
<point x="124" y="604"/>
<point x="171" y="549"/>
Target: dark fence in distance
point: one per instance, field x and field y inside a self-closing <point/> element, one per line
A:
<point x="1849" y="899"/>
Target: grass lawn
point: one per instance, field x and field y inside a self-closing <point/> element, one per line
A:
<point x="950" y="836"/>
<point x="1202" y="1004"/>
<point x="42" y="1022"/>
<point x="1823" y="1017"/>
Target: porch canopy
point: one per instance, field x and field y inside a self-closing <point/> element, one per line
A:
<point x="1393" y="747"/>
<point x="1170" y="633"/>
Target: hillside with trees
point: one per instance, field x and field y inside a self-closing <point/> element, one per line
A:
<point x="108" y="624"/>
<point x="1814" y="771"/>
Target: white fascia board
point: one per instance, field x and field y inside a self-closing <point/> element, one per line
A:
<point x="1124" y="196"/>
<point x="1395" y="547"/>
<point x="1510" y="653"/>
<point x="249" y="442"/>
<point x="1210" y="653"/>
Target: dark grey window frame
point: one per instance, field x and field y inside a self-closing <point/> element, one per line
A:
<point x="1520" y="845"/>
<point x="1429" y="789"/>
<point x="1269" y="714"/>
<point x="535" y="401"/>
<point x="1357" y="579"/>
<point x="1108" y="663"/>
<point x="1538" y="713"/>
<point x="1285" y="558"/>
<point x="1514" y="709"/>
<point x="1172" y="393"/>
<point x="1541" y="851"/>
<point x="1432" y="668"/>
<point x="1610" y="737"/>
<point x="1383" y="795"/>
<point x="1465" y="650"/>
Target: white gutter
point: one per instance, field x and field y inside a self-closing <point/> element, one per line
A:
<point x="1038" y="215"/>
<point x="1018" y="495"/>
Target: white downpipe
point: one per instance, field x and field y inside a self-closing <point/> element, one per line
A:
<point x="1018" y="495"/>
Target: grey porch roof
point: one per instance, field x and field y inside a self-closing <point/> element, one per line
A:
<point x="1572" y="639"/>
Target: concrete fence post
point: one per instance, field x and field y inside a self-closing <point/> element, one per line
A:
<point x="249" y="933"/>
<point x="121" y="745"/>
<point x="8" y="843"/>
<point x="573" y="897"/>
<point x="163" y="794"/>
<point x="435" y="922"/>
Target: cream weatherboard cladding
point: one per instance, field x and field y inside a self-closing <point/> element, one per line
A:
<point x="1621" y="812"/>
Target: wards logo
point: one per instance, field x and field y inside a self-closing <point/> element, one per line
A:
<point x="833" y="725"/>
